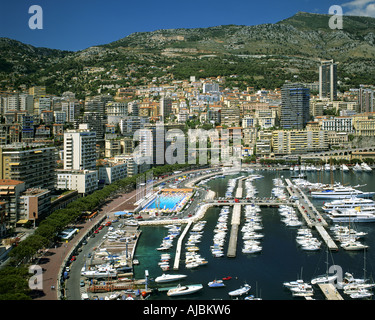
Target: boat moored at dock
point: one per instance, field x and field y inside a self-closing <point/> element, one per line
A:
<point x="184" y="290"/>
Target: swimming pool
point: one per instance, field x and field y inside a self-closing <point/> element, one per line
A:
<point x="167" y="202"/>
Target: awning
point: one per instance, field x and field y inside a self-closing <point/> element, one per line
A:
<point x="22" y="221"/>
<point x="122" y="213"/>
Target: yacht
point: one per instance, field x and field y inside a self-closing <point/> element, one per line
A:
<point x="97" y="274"/>
<point x="302" y="288"/>
<point x="348" y="204"/>
<point x="239" y="292"/>
<point x="183" y="290"/>
<point x="340" y="192"/>
<point x="169" y="277"/>
<point x="357" y="168"/>
<point x="365" y="167"/>
<point x="344" y="168"/>
<point x="353" y="245"/>
<point x="353" y="215"/>
<point x="293" y="284"/>
<point x="362" y="293"/>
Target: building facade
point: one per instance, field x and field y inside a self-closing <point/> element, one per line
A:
<point x="295" y="106"/>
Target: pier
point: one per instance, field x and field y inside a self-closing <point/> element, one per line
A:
<point x="330" y="291"/>
<point x="179" y="244"/>
<point x="236" y="218"/>
<point x="236" y="221"/>
<point x="310" y="214"/>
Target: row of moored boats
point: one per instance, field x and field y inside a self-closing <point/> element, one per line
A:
<point x="220" y="233"/>
<point x="193" y="258"/>
<point x="363" y="167"/>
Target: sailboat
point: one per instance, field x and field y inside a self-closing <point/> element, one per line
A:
<point x="324" y="278"/>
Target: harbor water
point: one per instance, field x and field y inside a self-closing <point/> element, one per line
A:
<point x="281" y="258"/>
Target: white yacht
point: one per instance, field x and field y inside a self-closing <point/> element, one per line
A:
<point x="183" y="290"/>
<point x="365" y="167"/>
<point x="349" y="203"/>
<point x="239" y="292"/>
<point x="353" y="215"/>
<point x="98" y="274"/>
<point x="361" y="294"/>
<point x="344" y="168"/>
<point x="357" y="168"/>
<point x="340" y="192"/>
<point x="353" y="245"/>
<point x="169" y="277"/>
<point x="292" y="284"/>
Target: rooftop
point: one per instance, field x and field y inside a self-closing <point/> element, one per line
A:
<point x="9" y="182"/>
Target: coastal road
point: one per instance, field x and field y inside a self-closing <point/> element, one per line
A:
<point x="72" y="284"/>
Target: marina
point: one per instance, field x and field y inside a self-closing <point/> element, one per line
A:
<point x="253" y="210"/>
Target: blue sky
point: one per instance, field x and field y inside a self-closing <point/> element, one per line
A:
<point x="77" y="25"/>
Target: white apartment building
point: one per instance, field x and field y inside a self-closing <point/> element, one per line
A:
<point x="339" y="124"/>
<point x="112" y="173"/>
<point x="84" y="181"/>
<point x="79" y="150"/>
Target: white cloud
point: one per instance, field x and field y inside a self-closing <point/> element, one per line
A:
<point x="360" y="8"/>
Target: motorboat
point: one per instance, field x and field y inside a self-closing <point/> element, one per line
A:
<point x="353" y="246"/>
<point x="239" y="292"/>
<point x="361" y="294"/>
<point x="292" y="284"/>
<point x="302" y="288"/>
<point x="216" y="284"/>
<point x="169" y="277"/>
<point x="349" y="280"/>
<point x="252" y="249"/>
<point x="184" y="290"/>
<point x="227" y="278"/>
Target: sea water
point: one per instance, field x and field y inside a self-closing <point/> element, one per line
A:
<point x="280" y="260"/>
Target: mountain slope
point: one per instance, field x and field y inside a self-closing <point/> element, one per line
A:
<point x="262" y="56"/>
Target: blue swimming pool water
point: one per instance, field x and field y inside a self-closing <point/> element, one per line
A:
<point x="166" y="202"/>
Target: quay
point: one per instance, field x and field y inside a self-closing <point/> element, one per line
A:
<point x="179" y="244"/>
<point x="330" y="291"/>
